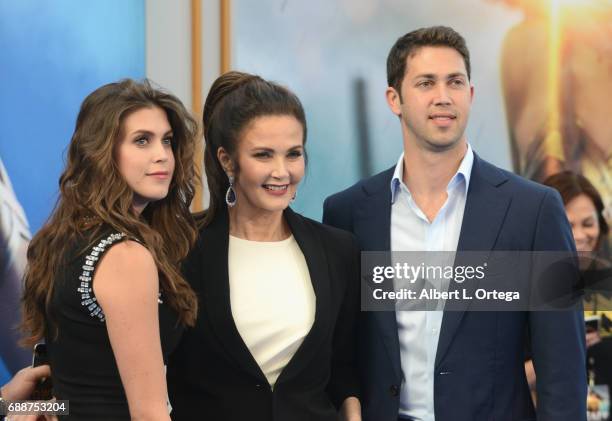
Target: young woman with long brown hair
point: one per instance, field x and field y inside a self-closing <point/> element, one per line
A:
<point x="103" y="284"/>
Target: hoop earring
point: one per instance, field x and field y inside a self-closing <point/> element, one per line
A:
<point x="230" y="194"/>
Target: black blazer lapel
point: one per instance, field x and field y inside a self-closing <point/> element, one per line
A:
<point x="316" y="260"/>
<point x="485" y="210"/>
<point x="372" y="227"/>
<point x="216" y="294"/>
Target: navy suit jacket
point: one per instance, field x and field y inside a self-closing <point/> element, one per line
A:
<point x="479" y="365"/>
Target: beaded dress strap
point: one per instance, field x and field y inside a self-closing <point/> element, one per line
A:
<point x="88" y="300"/>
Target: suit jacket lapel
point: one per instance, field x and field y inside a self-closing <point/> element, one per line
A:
<point x="372" y="227"/>
<point x="316" y="260"/>
<point x="372" y="224"/>
<point x="485" y="210"/>
<point x="216" y="294"/>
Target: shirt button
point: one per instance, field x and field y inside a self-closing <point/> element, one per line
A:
<point x="394" y="389"/>
<point x="434" y="330"/>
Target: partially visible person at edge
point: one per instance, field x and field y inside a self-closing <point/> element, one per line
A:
<point x="275" y="336"/>
<point x="21" y="386"/>
<point x="585" y="211"/>
<point x="103" y="284"/>
<point x="14" y="238"/>
<point x="441" y="196"/>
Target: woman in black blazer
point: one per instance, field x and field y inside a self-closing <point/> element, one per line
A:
<point x="275" y="337"/>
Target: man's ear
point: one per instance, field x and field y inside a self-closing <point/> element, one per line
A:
<point x="393" y="100"/>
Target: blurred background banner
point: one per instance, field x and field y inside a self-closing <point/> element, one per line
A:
<point x="541" y="71"/>
<point x="54" y="53"/>
<point x="556" y="64"/>
<point x="333" y="55"/>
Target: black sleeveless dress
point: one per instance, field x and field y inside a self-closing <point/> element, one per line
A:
<point x="83" y="366"/>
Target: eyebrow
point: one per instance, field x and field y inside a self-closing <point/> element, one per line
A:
<point x="150" y="133"/>
<point x="435" y="77"/>
<point x="264" y="149"/>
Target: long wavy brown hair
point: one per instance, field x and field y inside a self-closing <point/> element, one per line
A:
<point x="93" y="194"/>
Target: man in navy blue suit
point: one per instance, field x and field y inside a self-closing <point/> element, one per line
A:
<point x="456" y="365"/>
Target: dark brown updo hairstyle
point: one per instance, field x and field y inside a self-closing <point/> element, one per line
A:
<point x="235" y="100"/>
<point x="571" y="185"/>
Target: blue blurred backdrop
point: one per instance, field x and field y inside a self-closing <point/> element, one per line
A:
<point x="53" y="55"/>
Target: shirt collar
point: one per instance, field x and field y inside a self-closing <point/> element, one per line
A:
<point x="463" y="173"/>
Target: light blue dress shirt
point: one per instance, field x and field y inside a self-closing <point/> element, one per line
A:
<point x="419" y="331"/>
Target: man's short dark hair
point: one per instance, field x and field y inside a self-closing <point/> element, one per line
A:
<point x="407" y="45"/>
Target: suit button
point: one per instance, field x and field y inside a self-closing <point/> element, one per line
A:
<point x="258" y="386"/>
<point x="394" y="389"/>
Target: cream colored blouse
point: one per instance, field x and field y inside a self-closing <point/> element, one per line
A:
<point x="272" y="300"/>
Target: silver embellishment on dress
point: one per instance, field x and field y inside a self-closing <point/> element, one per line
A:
<point x="87" y="301"/>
